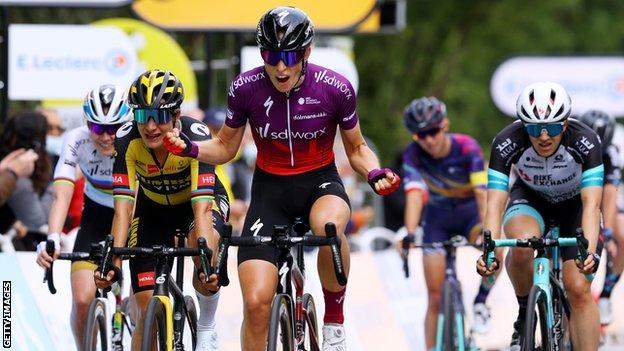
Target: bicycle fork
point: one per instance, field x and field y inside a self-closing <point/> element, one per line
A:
<point x="541" y="278"/>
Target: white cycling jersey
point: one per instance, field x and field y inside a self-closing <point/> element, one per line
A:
<point x="79" y="151"/>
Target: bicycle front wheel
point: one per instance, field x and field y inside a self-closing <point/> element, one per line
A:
<point x="155" y="333"/>
<point x="95" y="337"/>
<point x="311" y="327"/>
<point x="537" y="315"/>
<point x="281" y="331"/>
<point x="449" y="336"/>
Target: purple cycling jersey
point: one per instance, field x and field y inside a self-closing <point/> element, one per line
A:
<point x="450" y="181"/>
<point x="293" y="133"/>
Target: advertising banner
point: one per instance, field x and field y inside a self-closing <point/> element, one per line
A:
<point x="65" y="61"/>
<point x="66" y="3"/>
<point x="592" y="81"/>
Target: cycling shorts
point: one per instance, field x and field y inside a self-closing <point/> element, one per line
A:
<point x="441" y="223"/>
<point x="565" y="214"/>
<point x="279" y="199"/>
<point x="156" y="224"/>
<point x="95" y="225"/>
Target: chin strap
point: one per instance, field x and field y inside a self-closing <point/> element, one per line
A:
<point x="304" y="68"/>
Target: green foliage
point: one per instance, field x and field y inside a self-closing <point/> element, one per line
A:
<point x="451" y="48"/>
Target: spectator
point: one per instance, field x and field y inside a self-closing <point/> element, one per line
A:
<point x="30" y="202"/>
<point x="18" y="163"/>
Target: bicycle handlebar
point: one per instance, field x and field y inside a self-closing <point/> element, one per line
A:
<point x="455" y="242"/>
<point x="283" y="241"/>
<point x="94" y="255"/>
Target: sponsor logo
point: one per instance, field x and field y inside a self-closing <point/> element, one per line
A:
<point x="526" y="165"/>
<point x="120" y="179"/>
<point x="308" y="101"/>
<point x="349" y="117"/>
<point x="242" y="80"/>
<point x="145" y="278"/>
<point x="229" y="114"/>
<point x="523" y="175"/>
<point x="161" y="279"/>
<point x="559" y="158"/>
<point x="282" y="16"/>
<point x="520" y="201"/>
<point x="584" y="145"/>
<point x="152" y="169"/>
<point x="506" y="147"/>
<point x="268" y="104"/>
<point x="200" y="129"/>
<point x="312" y="116"/>
<point x="547" y="180"/>
<point x="255" y="228"/>
<point x="124" y="130"/>
<point x="333" y="81"/>
<point x="207" y="179"/>
<point x="263" y="132"/>
<point x="324" y="185"/>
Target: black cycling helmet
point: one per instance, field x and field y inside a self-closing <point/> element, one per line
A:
<point x="424" y="114"/>
<point x="602" y="123"/>
<point x="296" y="26"/>
<point x="156" y="89"/>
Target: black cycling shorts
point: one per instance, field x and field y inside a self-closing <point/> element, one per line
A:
<point x="156" y="224"/>
<point x="95" y="225"/>
<point x="278" y="200"/>
<point x="566" y="214"/>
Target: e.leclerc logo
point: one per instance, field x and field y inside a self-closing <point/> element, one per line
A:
<point x="117" y="61"/>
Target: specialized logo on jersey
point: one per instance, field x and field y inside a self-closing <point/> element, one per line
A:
<point x="124" y="130"/>
<point x="200" y="129"/>
<point x="255" y="228"/>
<point x="268" y="104"/>
<point x="263" y="132"/>
<point x="324" y="185"/>
<point x="242" y="80"/>
<point x="334" y="81"/>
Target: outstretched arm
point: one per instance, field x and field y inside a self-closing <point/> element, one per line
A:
<point x="218" y="150"/>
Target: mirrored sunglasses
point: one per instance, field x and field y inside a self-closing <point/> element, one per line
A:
<point x="143" y="115"/>
<point x="430" y="132"/>
<point x="290" y="58"/>
<point x="536" y="129"/>
<point x="99" y="129"/>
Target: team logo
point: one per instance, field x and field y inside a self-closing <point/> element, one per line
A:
<point x="124" y="130"/>
<point x="200" y="129"/>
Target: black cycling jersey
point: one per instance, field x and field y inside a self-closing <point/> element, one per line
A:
<point x="577" y="162"/>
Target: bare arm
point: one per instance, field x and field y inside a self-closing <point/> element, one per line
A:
<point x="413" y="209"/>
<point x="121" y="223"/>
<point x="590" y="222"/>
<point x="481" y="196"/>
<point x="202" y="211"/>
<point x="361" y="157"/>
<point x="609" y="206"/>
<point x="223" y="147"/>
<point x="496" y="202"/>
<point x="58" y="212"/>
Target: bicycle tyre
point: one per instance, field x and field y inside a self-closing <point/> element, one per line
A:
<point x="281" y="330"/>
<point x="561" y="325"/>
<point x="191" y="318"/>
<point x="311" y="335"/>
<point x="536" y="301"/>
<point x="95" y="328"/>
<point x="448" y="332"/>
<point x="155" y="320"/>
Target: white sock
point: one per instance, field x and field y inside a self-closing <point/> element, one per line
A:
<point x="207" y="310"/>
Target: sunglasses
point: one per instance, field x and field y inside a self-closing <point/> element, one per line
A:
<point x="143" y="115"/>
<point x="290" y="58"/>
<point x="536" y="129"/>
<point x="430" y="132"/>
<point x="99" y="129"/>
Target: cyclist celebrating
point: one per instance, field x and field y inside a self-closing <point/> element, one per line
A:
<point x="560" y="177"/>
<point x="293" y="108"/>
<point x="88" y="149"/>
<point x="604" y="125"/>
<point x="445" y="172"/>
<point x="174" y="193"/>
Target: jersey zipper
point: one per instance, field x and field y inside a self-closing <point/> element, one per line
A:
<point x="292" y="155"/>
<point x="162" y="175"/>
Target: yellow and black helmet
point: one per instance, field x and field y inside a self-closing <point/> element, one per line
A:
<point x="156" y="89"/>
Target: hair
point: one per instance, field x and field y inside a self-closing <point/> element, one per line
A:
<point x="28" y="130"/>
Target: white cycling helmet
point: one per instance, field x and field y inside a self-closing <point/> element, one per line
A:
<point x="107" y="104"/>
<point x="543" y="102"/>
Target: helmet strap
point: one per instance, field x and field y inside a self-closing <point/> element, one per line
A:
<point x="304" y="67"/>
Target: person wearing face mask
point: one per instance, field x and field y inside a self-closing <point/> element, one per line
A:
<point x="294" y="109"/>
<point x="560" y="179"/>
<point x="54" y="133"/>
<point x="88" y="149"/>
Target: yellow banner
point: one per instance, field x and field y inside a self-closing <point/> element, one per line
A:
<point x="327" y="15"/>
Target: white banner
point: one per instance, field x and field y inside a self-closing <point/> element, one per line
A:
<point x="65" y="61"/>
<point x="332" y="58"/>
<point x="593" y="82"/>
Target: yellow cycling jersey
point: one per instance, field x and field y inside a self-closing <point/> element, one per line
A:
<point x="178" y="180"/>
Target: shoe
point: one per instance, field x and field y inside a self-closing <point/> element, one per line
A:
<point x="604" y="306"/>
<point x="207" y="340"/>
<point x="481" y="318"/>
<point x="334" y="338"/>
<point x="516" y="337"/>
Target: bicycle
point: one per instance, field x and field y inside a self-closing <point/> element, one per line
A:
<point x="163" y="317"/>
<point x="95" y="337"/>
<point x="292" y="323"/>
<point x="451" y="325"/>
<point x="547" y="301"/>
